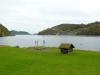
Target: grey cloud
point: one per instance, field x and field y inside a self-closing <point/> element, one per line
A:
<point x="36" y="15"/>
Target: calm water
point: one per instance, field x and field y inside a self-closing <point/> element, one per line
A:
<point x="80" y="42"/>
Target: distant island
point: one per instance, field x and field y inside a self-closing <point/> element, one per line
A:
<point x="73" y="29"/>
<point x="13" y="32"/>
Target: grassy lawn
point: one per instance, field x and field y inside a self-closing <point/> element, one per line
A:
<point x="16" y="61"/>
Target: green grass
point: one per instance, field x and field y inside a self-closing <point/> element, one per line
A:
<point x="16" y="61"/>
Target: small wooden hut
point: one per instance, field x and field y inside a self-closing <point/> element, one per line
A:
<point x="66" y="47"/>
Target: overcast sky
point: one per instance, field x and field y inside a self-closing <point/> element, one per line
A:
<point x="36" y="15"/>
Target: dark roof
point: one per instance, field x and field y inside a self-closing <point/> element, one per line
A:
<point x="66" y="45"/>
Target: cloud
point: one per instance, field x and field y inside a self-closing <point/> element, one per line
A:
<point x="89" y="6"/>
<point x="36" y="15"/>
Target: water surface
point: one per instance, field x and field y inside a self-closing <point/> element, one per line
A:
<point x="80" y="42"/>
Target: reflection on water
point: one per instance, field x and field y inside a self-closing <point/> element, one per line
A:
<point x="80" y="42"/>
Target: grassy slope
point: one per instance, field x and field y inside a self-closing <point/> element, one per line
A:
<point x="15" y="61"/>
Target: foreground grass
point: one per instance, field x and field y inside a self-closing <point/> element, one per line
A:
<point x="15" y="61"/>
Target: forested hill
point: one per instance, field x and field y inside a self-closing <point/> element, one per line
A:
<point x="73" y="29"/>
<point x="13" y="32"/>
<point x="4" y="31"/>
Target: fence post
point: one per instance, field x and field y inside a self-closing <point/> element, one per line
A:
<point x="43" y="42"/>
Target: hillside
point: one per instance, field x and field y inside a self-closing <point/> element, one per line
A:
<point x="19" y="32"/>
<point x="4" y="31"/>
<point x="73" y="29"/>
<point x="90" y="29"/>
